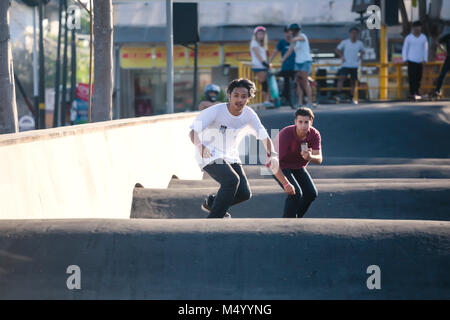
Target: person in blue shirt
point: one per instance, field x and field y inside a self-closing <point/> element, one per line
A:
<point x="287" y="68"/>
<point x="303" y="62"/>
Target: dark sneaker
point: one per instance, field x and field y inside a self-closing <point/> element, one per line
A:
<point x="207" y="204"/>
<point x="435" y="95"/>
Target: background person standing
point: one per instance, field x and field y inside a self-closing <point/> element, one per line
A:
<point x="260" y="66"/>
<point x="415" y="54"/>
<point x="303" y="62"/>
<point x="349" y="51"/>
<point x="287" y="68"/>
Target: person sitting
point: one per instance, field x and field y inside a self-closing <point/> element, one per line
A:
<point x="210" y="97"/>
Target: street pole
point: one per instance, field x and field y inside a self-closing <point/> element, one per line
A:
<point x="41" y="70"/>
<point x="117" y="81"/>
<point x="91" y="31"/>
<point x="194" y="103"/>
<point x="383" y="55"/>
<point x="35" y="73"/>
<point x="58" y="71"/>
<point x="73" y="68"/>
<point x="169" y="56"/>
<point x="64" y="71"/>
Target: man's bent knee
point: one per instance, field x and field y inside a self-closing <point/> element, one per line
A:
<point x="246" y="195"/>
<point x="232" y="181"/>
<point x="310" y="196"/>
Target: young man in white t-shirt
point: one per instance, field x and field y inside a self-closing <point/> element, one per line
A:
<point x="415" y="53"/>
<point x="349" y="51"/>
<point x="216" y="133"/>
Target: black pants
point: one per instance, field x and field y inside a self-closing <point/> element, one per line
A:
<point x="287" y="75"/>
<point x="414" y="77"/>
<point x="305" y="193"/>
<point x="234" y="187"/>
<point x="444" y="70"/>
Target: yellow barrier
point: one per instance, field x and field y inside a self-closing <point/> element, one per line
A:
<point x="396" y="75"/>
<point x="245" y="71"/>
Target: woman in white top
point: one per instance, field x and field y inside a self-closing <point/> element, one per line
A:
<point x="303" y="62"/>
<point x="258" y="51"/>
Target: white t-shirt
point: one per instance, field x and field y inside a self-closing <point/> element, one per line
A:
<point x="302" y="50"/>
<point x="351" y="51"/>
<point x="262" y="52"/>
<point x="221" y="132"/>
<point x="415" y="49"/>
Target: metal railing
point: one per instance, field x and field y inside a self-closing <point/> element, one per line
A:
<point x="370" y="80"/>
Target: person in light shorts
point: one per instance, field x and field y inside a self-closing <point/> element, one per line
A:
<point x="303" y="62"/>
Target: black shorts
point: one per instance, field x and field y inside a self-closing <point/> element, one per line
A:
<point x="353" y="72"/>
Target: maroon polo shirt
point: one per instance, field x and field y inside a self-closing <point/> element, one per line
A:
<point x="289" y="147"/>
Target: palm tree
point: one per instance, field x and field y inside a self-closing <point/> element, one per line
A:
<point x="8" y="107"/>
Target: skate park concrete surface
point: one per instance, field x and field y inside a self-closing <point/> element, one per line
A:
<point x="383" y="200"/>
<point x="381" y="161"/>
<point x="90" y="170"/>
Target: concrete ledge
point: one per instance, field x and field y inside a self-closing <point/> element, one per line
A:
<point x="90" y="170"/>
<point x="411" y="199"/>
<point x="224" y="259"/>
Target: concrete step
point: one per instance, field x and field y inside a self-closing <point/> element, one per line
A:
<point x="383" y="161"/>
<point x="427" y="199"/>
<point x="432" y="171"/>
<point x="224" y="259"/>
<point x="329" y="184"/>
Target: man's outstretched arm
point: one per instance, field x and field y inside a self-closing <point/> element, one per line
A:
<point x="274" y="162"/>
<point x="204" y="151"/>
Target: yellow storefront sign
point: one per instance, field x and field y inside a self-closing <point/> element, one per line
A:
<point x="136" y="57"/>
<point x="208" y="55"/>
<point x="234" y="53"/>
<point x="179" y="56"/>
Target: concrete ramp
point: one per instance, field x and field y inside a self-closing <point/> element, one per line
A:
<point x="90" y="170"/>
<point x="225" y="259"/>
<point x="412" y="199"/>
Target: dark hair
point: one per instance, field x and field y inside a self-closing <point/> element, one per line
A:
<point x="305" y="112"/>
<point x="417" y="24"/>
<point x="353" y="29"/>
<point x="242" y="83"/>
<point x="294" y="26"/>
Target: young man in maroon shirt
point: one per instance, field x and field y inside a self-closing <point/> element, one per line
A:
<point x="298" y="145"/>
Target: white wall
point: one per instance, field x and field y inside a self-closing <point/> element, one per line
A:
<point x="239" y="12"/>
<point x="90" y="170"/>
